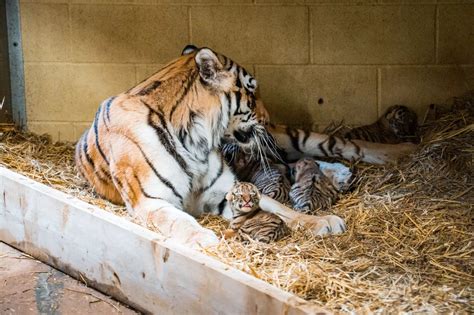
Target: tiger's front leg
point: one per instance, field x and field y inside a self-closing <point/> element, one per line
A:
<point x="149" y="194"/>
<point x="176" y="224"/>
<point x="319" y="225"/>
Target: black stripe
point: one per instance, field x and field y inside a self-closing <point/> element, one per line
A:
<point x="149" y="88"/>
<point x="161" y="178"/>
<point x="331" y="144"/>
<point x="294" y="138"/>
<point x="306" y="136"/>
<point x="238" y="83"/>
<point x="107" y="107"/>
<point x="229" y="105"/>
<point x="219" y="173"/>
<point x="187" y="85"/>
<point x="238" y="97"/>
<point x="96" y="131"/>
<point x="356" y="147"/>
<point x="161" y="117"/>
<point x="142" y="189"/>
<point x="321" y="148"/>
<point x="221" y="206"/>
<point x="85" y="149"/>
<point x="169" y="145"/>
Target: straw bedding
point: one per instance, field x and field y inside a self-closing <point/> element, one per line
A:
<point x="409" y="244"/>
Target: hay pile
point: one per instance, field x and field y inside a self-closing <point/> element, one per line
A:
<point x="409" y="245"/>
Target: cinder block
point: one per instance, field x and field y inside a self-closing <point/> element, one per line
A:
<point x="59" y="131"/>
<point x="469" y="73"/>
<point x="253" y="34"/>
<point x="308" y="95"/>
<point x="48" y="92"/>
<point x="45" y="32"/>
<point x="373" y="34"/>
<point x="79" y="129"/>
<point x="161" y="33"/>
<point x="455" y="1"/>
<point x="408" y="1"/>
<point x="128" y="33"/>
<point x="44" y="1"/>
<point x="103" y="33"/>
<point x="146" y="70"/>
<point x="93" y="83"/>
<point x="456" y="34"/>
<point x="103" y="1"/>
<point x="418" y="87"/>
<point x="193" y="1"/>
<point x="316" y="1"/>
<point x="65" y="92"/>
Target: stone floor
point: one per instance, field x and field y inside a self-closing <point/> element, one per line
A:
<point x="28" y="286"/>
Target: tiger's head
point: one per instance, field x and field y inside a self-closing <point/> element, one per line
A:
<point x="402" y="122"/>
<point x="237" y="87"/>
<point x="244" y="197"/>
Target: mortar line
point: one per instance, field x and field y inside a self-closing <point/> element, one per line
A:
<point x="379" y="90"/>
<point x="436" y="39"/>
<point x="190" y="34"/>
<point x="310" y="34"/>
<point x="69" y="52"/>
<point x="133" y="63"/>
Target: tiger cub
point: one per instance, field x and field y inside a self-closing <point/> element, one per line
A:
<point x="270" y="177"/>
<point x="249" y="221"/>
<point x="312" y="190"/>
<point x="398" y="124"/>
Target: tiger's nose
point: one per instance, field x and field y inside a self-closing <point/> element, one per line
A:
<point x="242" y="136"/>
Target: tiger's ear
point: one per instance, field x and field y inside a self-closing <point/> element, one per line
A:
<point x="209" y="65"/>
<point x="228" y="196"/>
<point x="188" y="50"/>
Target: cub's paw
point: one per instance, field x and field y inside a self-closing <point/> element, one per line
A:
<point x="328" y="224"/>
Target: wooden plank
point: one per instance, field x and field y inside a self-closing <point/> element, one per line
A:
<point x="127" y="261"/>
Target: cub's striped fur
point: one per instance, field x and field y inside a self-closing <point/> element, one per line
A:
<point x="269" y="176"/>
<point x="398" y="124"/>
<point x="312" y="190"/>
<point x="249" y="220"/>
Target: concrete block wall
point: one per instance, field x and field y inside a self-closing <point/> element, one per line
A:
<point x="315" y="60"/>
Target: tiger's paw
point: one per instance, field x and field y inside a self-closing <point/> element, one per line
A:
<point x="324" y="225"/>
<point x="202" y="239"/>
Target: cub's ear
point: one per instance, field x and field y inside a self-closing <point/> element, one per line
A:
<point x="228" y="196"/>
<point x="188" y="50"/>
<point x="209" y="65"/>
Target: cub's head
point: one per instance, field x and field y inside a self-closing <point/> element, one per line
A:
<point x="237" y="90"/>
<point x="305" y="167"/>
<point x="244" y="197"/>
<point x="402" y="122"/>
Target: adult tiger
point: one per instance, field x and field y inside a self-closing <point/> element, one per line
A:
<point x="155" y="147"/>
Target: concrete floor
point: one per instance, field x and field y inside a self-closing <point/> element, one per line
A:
<point x="28" y="286"/>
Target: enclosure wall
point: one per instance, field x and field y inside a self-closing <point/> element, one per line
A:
<point x="315" y="61"/>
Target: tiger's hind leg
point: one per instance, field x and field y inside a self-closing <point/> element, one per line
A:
<point x="149" y="196"/>
<point x="296" y="143"/>
<point x="95" y="169"/>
